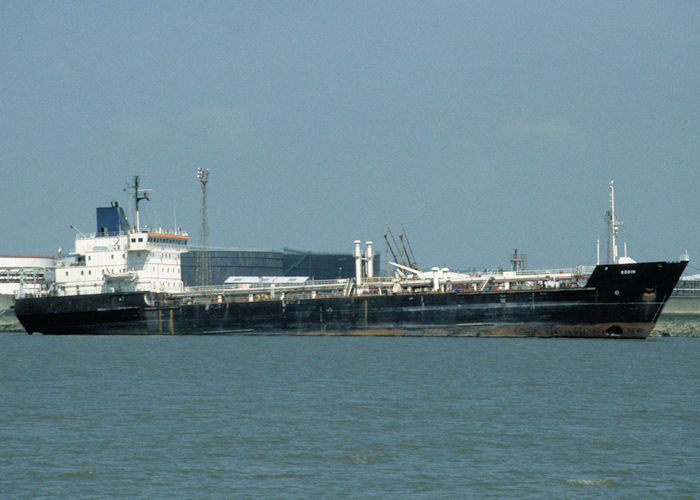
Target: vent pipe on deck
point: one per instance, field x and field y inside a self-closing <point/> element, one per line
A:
<point x="369" y="255"/>
<point x="358" y="263"/>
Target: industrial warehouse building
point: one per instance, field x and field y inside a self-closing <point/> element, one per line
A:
<point x="286" y="262"/>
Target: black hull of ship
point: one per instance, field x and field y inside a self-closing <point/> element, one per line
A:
<point x="620" y="301"/>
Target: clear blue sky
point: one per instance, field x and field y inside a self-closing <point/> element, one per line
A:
<point x="483" y="126"/>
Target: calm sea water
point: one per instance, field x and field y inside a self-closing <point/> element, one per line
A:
<point x="277" y="417"/>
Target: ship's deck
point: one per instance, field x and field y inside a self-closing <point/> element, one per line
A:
<point x="476" y="283"/>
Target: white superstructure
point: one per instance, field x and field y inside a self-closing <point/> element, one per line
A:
<point x="121" y="258"/>
<point x="144" y="260"/>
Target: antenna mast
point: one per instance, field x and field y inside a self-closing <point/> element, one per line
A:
<point x="139" y="195"/>
<point x="613" y="227"/>
<point x="203" y="270"/>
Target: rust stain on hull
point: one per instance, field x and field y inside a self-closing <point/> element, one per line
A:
<point x="599" y="330"/>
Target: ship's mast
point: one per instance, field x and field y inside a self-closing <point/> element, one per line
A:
<point x="203" y="270"/>
<point x="517" y="262"/>
<point x="139" y="195"/>
<point x="613" y="227"/>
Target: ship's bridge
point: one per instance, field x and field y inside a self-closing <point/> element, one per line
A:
<point x="147" y="240"/>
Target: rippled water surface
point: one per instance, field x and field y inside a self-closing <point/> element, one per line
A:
<point x="307" y="417"/>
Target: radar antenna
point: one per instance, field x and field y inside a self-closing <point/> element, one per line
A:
<point x="139" y="195"/>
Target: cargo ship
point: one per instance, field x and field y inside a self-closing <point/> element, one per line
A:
<point x="125" y="280"/>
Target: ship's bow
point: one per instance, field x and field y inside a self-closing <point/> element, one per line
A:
<point x="635" y="292"/>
